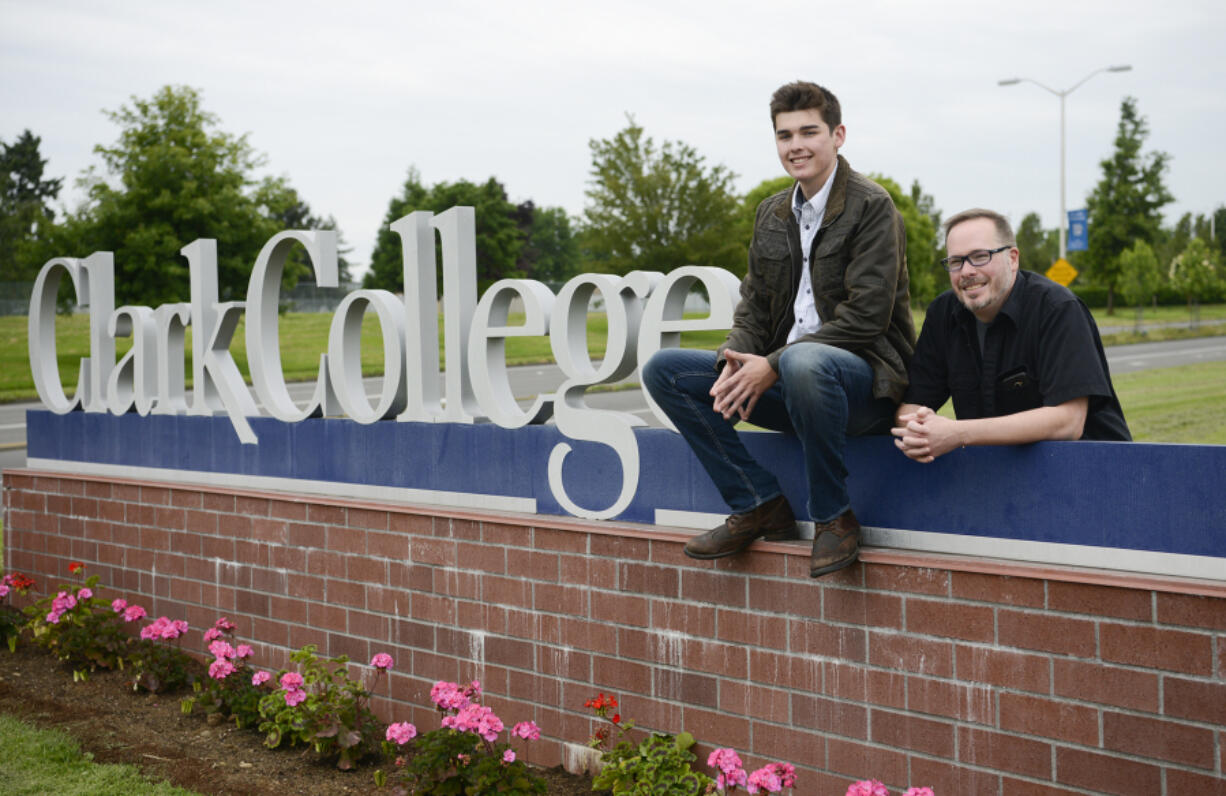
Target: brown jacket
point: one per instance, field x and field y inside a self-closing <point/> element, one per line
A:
<point x="859" y="274"/>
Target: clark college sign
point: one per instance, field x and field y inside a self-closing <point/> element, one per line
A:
<point x="644" y="311"/>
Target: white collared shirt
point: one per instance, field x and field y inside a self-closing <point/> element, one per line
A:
<point x="809" y="216"/>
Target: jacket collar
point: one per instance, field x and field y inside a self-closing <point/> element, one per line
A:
<point x="836" y="202"/>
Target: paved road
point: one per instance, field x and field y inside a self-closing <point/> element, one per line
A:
<point x="533" y="380"/>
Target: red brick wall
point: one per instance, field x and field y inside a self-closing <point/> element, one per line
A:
<point x="973" y="676"/>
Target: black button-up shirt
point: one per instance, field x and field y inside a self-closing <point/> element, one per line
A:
<point x="1041" y="349"/>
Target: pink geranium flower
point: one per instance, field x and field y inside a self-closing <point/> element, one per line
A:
<point x="448" y="696"/>
<point x="786" y="773"/>
<point x="85" y="594"/>
<point x="220" y="669"/>
<point x="164" y="628"/>
<point x="259" y="678"/>
<point x="508" y="757"/>
<point x="212" y="634"/>
<point x="867" y="787"/>
<point x="63" y="602"/>
<point x="726" y="760"/>
<point x="731" y="779"/>
<point x="295" y="697"/>
<point x="475" y="718"/>
<point x="244" y="651"/>
<point x="527" y="730"/>
<point x="224" y="625"/>
<point x="401" y="732"/>
<point x="919" y="792"/>
<point x="118" y="604"/>
<point x="291" y="681"/>
<point x="764" y="779"/>
<point x="174" y="629"/>
<point x="381" y="661"/>
<point x="221" y="649"/>
<point x="133" y="612"/>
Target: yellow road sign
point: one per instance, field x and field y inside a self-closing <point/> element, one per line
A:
<point x="1061" y="271"/>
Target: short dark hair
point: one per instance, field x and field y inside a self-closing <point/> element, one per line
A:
<point x="1004" y="231"/>
<point x="802" y="96"/>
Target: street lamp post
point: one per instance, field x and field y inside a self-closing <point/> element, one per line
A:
<point x="1062" y="94"/>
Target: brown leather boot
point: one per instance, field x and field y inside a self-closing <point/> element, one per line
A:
<point x="773" y="521"/>
<point x="836" y="544"/>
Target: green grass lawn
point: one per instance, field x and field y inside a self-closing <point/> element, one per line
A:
<point x="1183" y="404"/>
<point x="36" y="762"/>
<point x="1168" y="405"/>
<point x="303" y="336"/>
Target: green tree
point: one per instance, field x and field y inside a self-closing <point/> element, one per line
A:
<point x="1196" y="274"/>
<point x="173" y="178"/>
<point x="922" y="260"/>
<point x="506" y="233"/>
<point x="551" y="253"/>
<point x="1172" y="241"/>
<point x="657" y="207"/>
<point x="1139" y="276"/>
<point x="283" y="205"/>
<point x="1126" y="204"/>
<point x="926" y="205"/>
<point x="1218" y="230"/>
<point x="1039" y="247"/>
<point x="500" y="239"/>
<point x="26" y="218"/>
<point x="386" y="259"/>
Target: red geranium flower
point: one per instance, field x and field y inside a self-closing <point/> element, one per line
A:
<point x="75" y="567"/>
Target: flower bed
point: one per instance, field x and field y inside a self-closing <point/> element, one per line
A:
<point x="322" y="706"/>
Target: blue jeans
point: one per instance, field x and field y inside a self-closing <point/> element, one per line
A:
<point x="823" y="394"/>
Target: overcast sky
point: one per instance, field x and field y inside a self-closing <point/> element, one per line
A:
<point x="343" y="98"/>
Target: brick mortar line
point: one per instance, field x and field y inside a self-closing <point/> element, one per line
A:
<point x="955" y="723"/>
<point x="878" y="629"/>
<point x="1104" y="750"/>
<point x="953" y="563"/>
<point x="934" y="596"/>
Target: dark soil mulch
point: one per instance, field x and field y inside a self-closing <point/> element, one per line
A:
<point x="149" y="731"/>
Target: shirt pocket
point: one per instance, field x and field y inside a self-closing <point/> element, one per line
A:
<point x="831" y="266"/>
<point x="774" y="270"/>
<point x="1017" y="391"/>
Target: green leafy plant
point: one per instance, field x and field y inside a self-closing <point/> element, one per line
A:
<point x="322" y="707"/>
<point x="462" y="756"/>
<point x="232" y="689"/>
<point x="159" y="665"/>
<point x="80" y="629"/>
<point x="659" y="764"/>
<point x="12" y="620"/>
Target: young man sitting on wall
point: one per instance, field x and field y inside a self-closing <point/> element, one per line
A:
<point x="819" y="344"/>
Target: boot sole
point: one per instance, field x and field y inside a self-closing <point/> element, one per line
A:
<point x="836" y="566"/>
<point x="775" y="536"/>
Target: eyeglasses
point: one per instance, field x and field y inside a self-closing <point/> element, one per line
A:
<point x="978" y="258"/>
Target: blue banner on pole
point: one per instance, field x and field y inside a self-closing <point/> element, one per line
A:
<point x="1078" y="231"/>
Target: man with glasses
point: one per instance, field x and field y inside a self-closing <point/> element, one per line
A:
<point x="1019" y="354"/>
<point x="818" y="347"/>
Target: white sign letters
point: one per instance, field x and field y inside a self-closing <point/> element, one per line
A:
<point x="644" y="311"/>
